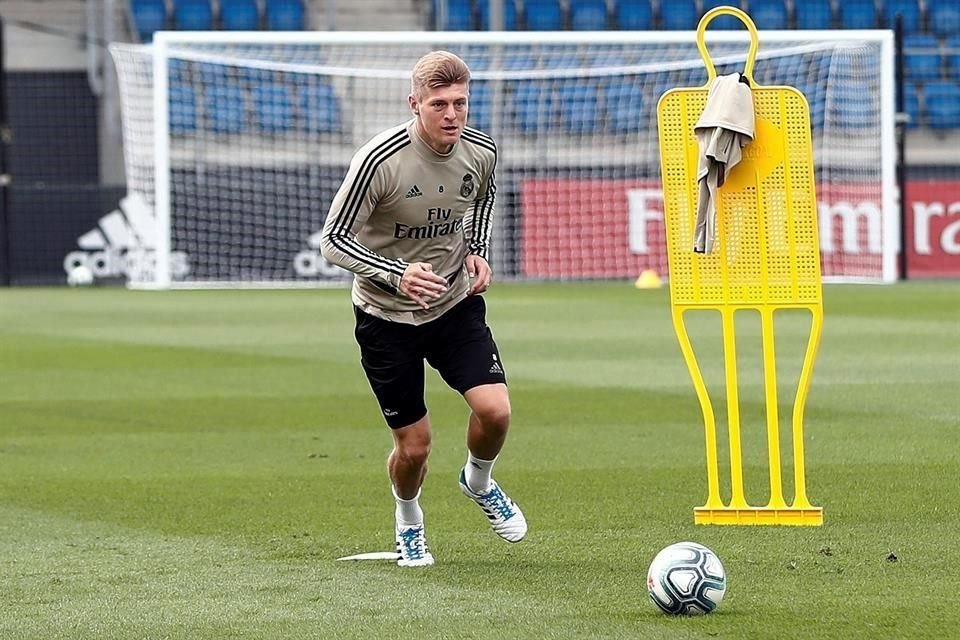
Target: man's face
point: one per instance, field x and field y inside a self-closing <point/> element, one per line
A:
<point x="442" y="113"/>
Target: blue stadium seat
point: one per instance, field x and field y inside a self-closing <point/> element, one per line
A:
<point x="560" y="57"/>
<point x="921" y="57"/>
<point x="273" y="108"/>
<point x="942" y="101"/>
<point x="813" y="14"/>
<point x="533" y="107"/>
<point x="588" y="15"/>
<point x="182" y="109"/>
<point x="605" y="56"/>
<point x="722" y="22"/>
<point x="633" y="15"/>
<point x="542" y="15"/>
<point x="519" y="58"/>
<point x="911" y="105"/>
<point x="225" y="108"/>
<point x="509" y="14"/>
<point x="816" y="103"/>
<point x="207" y="72"/>
<point x="693" y="77"/>
<point x="854" y="104"/>
<point x="477" y="60"/>
<point x="285" y="15"/>
<point x="193" y="15"/>
<point x="579" y="113"/>
<point x="624" y="107"/>
<point x="319" y="108"/>
<point x="678" y="15"/>
<point x="148" y="16"/>
<point x="952" y="56"/>
<point x="908" y="9"/>
<point x="479" y="115"/>
<point x="858" y="14"/>
<point x="943" y="17"/>
<point x="459" y="16"/>
<point x="769" y="14"/>
<point x="239" y="15"/>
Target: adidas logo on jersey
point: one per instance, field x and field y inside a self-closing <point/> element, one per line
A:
<point x="124" y="244"/>
<point x="414" y="192"/>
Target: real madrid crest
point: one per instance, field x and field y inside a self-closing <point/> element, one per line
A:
<point x="467" y="186"/>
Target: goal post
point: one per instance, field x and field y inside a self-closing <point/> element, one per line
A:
<point x="238" y="142"/>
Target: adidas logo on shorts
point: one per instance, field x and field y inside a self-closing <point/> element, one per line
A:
<point x="414" y="192"/>
<point x="495" y="367"/>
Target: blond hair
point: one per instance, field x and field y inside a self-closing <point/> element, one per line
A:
<point x="438" y="69"/>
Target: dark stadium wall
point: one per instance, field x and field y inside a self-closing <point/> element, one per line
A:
<point x="55" y="193"/>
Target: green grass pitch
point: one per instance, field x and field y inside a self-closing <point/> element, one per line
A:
<point x="190" y="464"/>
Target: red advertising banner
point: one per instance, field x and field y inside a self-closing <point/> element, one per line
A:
<point x="614" y="229"/>
<point x="933" y="229"/>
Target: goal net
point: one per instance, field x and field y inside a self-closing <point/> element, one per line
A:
<point x="237" y="142"/>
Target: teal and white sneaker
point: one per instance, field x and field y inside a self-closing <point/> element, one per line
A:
<point x="412" y="547"/>
<point x="505" y="516"/>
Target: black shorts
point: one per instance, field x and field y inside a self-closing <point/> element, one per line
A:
<point x="458" y="344"/>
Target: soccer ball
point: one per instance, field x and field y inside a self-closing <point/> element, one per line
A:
<point x="80" y="276"/>
<point x="686" y="578"/>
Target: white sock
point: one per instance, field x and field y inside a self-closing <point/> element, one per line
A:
<point x="477" y="473"/>
<point x="408" y="512"/>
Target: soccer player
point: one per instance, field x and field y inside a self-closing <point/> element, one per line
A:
<point x="412" y="221"/>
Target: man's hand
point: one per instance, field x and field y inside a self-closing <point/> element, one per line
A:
<point x="420" y="283"/>
<point x="479" y="271"/>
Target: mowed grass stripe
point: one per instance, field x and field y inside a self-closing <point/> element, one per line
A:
<point x="206" y="498"/>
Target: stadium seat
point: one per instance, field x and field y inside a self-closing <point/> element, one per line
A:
<point x="816" y="103"/>
<point x="722" y="22"/>
<point x="542" y="15"/>
<point x="148" y="16"/>
<point x="858" y="14"/>
<point x="560" y="57"/>
<point x="319" y="108"/>
<point x="479" y="114"/>
<point x="769" y="14"/>
<point x="813" y="14"/>
<point x="459" y="15"/>
<point x="225" y="108"/>
<point x="588" y="15"/>
<point x="942" y="101"/>
<point x="519" y="58"/>
<point x="853" y="104"/>
<point x="239" y="15"/>
<point x="273" y="108"/>
<point x="208" y="73"/>
<point x="193" y="15"/>
<point x="533" y="107"/>
<point x="908" y="9"/>
<point x="605" y="56"/>
<point x="182" y="109"/>
<point x="633" y="15"/>
<point x="911" y="105"/>
<point x="678" y="15"/>
<point x="921" y="57"/>
<point x="624" y="107"/>
<point x="579" y="114"/>
<point x="952" y="56"/>
<point x="943" y="17"/>
<point x="509" y="14"/>
<point x="285" y="15"/>
<point x="477" y="60"/>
